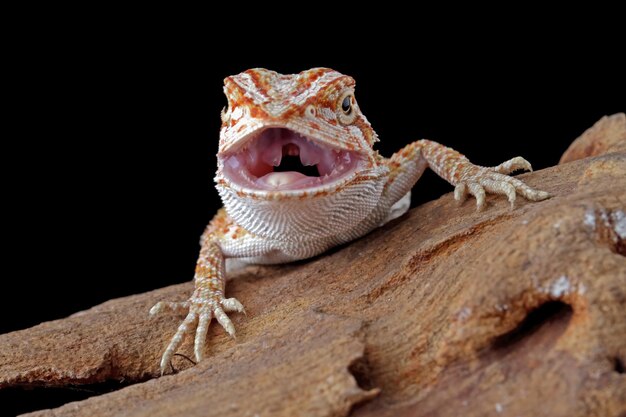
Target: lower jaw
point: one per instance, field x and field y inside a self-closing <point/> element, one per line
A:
<point x="239" y="175"/>
<point x="286" y="214"/>
<point x="288" y="180"/>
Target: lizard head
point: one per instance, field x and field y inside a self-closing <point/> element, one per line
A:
<point x="292" y="134"/>
<point x="295" y="156"/>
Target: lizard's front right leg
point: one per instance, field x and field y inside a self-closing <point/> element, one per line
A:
<point x="206" y="302"/>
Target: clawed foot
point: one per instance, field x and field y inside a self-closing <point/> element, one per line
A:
<point x="495" y="180"/>
<point x="200" y="310"/>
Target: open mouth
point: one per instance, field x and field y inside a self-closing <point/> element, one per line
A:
<point x="281" y="159"/>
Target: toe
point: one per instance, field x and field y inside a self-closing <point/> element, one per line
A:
<point x="177" y="307"/>
<point x="232" y="304"/>
<point x="204" y="319"/>
<point x="501" y="186"/>
<point x="157" y="308"/>
<point x="512" y="165"/>
<point x="223" y="319"/>
<point x="509" y="190"/>
<point x="460" y="192"/>
<point x="477" y="191"/>
<point x="540" y="195"/>
<point x="178" y="338"/>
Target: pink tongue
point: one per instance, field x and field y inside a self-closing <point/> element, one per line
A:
<point x="289" y="179"/>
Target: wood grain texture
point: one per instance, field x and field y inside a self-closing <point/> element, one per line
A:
<point x="443" y="312"/>
<point x="607" y="135"/>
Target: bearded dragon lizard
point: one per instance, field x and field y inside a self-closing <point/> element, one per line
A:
<point x="297" y="174"/>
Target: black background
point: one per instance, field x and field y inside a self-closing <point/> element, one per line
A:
<point x="112" y="118"/>
<point x="116" y="134"/>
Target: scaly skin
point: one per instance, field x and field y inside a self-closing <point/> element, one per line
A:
<point x="276" y="223"/>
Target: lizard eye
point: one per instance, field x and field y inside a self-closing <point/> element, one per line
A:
<point x="347" y="108"/>
<point x="346" y="105"/>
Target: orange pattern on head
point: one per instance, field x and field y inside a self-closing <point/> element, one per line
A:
<point x="307" y="103"/>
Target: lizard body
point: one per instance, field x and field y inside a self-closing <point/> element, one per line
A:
<point x="298" y="174"/>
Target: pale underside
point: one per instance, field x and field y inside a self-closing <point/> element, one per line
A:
<point x="327" y="196"/>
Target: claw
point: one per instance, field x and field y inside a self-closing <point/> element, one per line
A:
<point x="477" y="191"/>
<point x="512" y="165"/>
<point x="495" y="180"/>
<point x="501" y="186"/>
<point x="223" y="319"/>
<point x="460" y="192"/>
<point x="156" y="309"/>
<point x="510" y="194"/>
<point x="537" y="195"/>
<point x="201" y="311"/>
<point x="232" y="304"/>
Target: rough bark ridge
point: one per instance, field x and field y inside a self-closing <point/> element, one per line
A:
<point x="443" y="312"/>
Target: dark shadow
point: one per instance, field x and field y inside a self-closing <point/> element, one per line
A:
<point x="550" y="312"/>
<point x="618" y="365"/>
<point x="360" y="370"/>
<point x="19" y="400"/>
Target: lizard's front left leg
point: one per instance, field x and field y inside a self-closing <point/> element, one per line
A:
<point x="407" y="165"/>
<point x="206" y="302"/>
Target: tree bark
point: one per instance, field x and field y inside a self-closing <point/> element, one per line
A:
<point x="445" y="311"/>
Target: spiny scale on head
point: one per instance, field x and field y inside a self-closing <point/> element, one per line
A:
<point x="308" y="103"/>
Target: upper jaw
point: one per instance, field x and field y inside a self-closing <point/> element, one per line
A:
<point x="234" y="136"/>
<point x="283" y="159"/>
